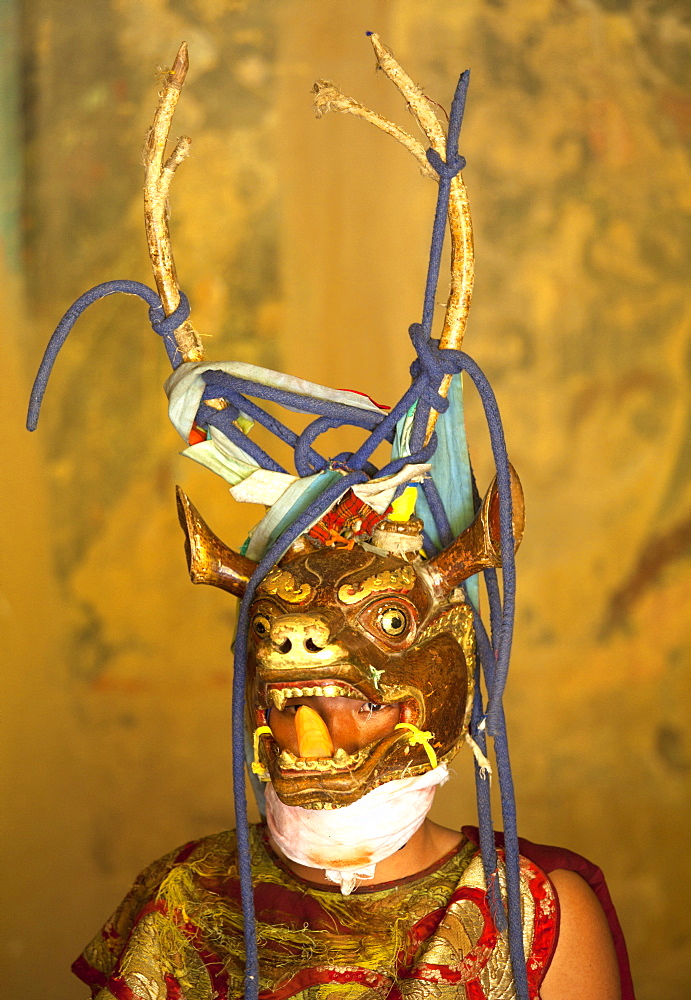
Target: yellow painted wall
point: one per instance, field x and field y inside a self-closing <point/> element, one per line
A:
<point x="302" y="245"/>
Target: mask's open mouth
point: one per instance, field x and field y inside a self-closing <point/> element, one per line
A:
<point x="326" y="725"/>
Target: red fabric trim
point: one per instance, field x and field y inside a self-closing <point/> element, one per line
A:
<point x="318" y="976"/>
<point x="92" y="977"/>
<point x="381" y="406"/>
<point x="419" y="932"/>
<point x="475" y="960"/>
<point x="120" y="989"/>
<point x="352" y="516"/>
<point x="546" y="934"/>
<point x="549" y="859"/>
<point x="173" y="989"/>
<point x="557" y="925"/>
<point x="474" y="991"/>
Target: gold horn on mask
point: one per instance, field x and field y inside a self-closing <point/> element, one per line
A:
<point x="209" y="560"/>
<point x="478" y="547"/>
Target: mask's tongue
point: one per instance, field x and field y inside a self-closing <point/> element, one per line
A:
<point x="314" y="739"/>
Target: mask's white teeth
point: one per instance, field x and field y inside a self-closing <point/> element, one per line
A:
<point x="278" y="696"/>
<point x="287" y="761"/>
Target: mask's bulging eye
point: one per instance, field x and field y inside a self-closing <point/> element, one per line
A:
<point x="393" y="622"/>
<point x="261" y="626"/>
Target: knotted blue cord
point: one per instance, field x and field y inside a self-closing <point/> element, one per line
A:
<point x="163" y="325"/>
<point x="235" y="389"/>
<point x="503" y="633"/>
<point x="427" y="371"/>
<point x="256" y="413"/>
<point x="495" y="662"/>
<point x="486" y="658"/>
<point x="269" y="559"/>
<point x="446" y="170"/>
<point x="482" y="789"/>
<point x="436" y="505"/>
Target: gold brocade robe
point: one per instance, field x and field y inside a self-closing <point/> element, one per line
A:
<point x="178" y="933"/>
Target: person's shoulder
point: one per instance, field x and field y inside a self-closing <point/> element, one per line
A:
<point x="584" y="965"/>
<point x="547" y="857"/>
<point x="589" y="959"/>
<point x="214" y="845"/>
<point x="214" y="853"/>
<point x="180" y="877"/>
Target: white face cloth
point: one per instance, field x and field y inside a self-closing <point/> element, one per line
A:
<point x="349" y="842"/>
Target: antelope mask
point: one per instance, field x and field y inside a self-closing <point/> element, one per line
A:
<point x="356" y="621"/>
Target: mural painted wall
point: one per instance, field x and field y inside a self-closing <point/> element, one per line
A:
<point x="302" y="245"/>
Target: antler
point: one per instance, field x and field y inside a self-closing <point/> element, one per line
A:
<point x="156" y="189"/>
<point x="328" y="97"/>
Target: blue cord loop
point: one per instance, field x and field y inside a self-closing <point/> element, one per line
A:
<point x="446" y="168"/>
<point x="427" y="371"/>
<point x="165" y="326"/>
<point x="63" y="328"/>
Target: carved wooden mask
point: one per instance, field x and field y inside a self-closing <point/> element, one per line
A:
<point x="364" y="624"/>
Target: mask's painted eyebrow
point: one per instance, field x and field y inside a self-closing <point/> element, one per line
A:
<point x="393" y="581"/>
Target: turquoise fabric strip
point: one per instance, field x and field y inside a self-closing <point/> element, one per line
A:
<point x="450" y="470"/>
<point x="296" y="499"/>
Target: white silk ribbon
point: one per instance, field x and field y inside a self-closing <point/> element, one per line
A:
<point x="349" y="842"/>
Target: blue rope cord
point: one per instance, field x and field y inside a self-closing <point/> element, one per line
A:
<point x="482" y="793"/>
<point x="161" y="324"/>
<point x="224" y="421"/>
<point x="446" y="170"/>
<point x="271" y="557"/>
<point x="427" y="371"/>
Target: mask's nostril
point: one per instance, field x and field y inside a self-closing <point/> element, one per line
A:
<point x="285" y="646"/>
<point x="312" y="647"/>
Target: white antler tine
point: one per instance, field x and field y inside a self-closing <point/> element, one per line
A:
<point x="158" y="177"/>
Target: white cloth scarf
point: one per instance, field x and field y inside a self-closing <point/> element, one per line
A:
<point x="349" y="842"/>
